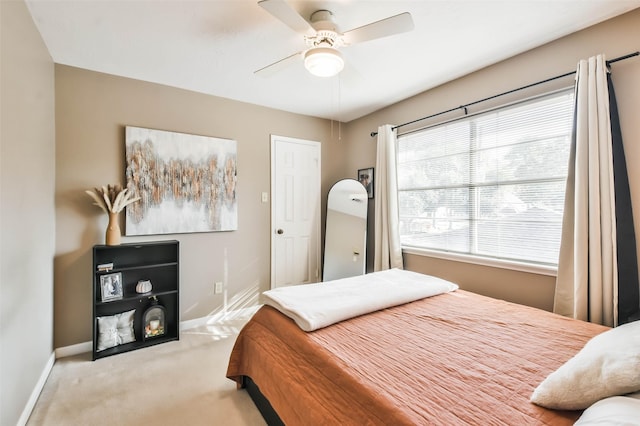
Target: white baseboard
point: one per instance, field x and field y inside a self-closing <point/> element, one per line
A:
<point x="185" y="325"/>
<point x="35" y="394"/>
<point x="219" y="317"/>
<point x="72" y="350"/>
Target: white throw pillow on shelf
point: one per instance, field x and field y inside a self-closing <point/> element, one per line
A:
<point x="115" y="330"/>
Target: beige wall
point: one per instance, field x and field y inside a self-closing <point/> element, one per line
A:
<point x="614" y="38"/>
<point x="92" y="110"/>
<point x="27" y="228"/>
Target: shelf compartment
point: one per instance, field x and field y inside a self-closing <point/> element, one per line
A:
<point x="132" y="268"/>
<point x="136" y="254"/>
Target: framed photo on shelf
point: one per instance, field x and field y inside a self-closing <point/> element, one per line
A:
<point x="365" y="177"/>
<point x="111" y="286"/>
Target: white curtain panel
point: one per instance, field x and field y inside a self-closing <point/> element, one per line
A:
<point x="388" y="253"/>
<point x="587" y="281"/>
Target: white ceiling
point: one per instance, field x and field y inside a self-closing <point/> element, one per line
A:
<point x="214" y="46"/>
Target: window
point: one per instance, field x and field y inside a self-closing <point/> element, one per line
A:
<point x="489" y="185"/>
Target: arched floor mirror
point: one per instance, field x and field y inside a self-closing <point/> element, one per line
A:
<point x="345" y="239"/>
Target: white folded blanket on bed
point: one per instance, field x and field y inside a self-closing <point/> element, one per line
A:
<point x="313" y="306"/>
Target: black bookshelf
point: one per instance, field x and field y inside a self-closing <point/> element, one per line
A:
<point x="157" y="262"/>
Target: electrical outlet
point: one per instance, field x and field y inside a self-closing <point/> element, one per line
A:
<point x="218" y="287"/>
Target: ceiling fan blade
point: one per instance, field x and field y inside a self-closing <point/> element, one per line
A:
<point x="273" y="68"/>
<point x="281" y="10"/>
<point x="393" y="25"/>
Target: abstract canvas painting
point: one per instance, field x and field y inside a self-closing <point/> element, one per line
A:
<point x="186" y="183"/>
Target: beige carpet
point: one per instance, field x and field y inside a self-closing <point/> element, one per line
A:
<point x="176" y="383"/>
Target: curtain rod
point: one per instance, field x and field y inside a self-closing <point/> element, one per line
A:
<point x="464" y="107"/>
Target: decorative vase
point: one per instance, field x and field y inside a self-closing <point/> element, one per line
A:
<point x="143" y="286"/>
<point x="112" y="237"/>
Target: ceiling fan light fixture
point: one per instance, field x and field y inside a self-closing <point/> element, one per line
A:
<point x="323" y="61"/>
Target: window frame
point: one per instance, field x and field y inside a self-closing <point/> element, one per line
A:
<point x="496" y="262"/>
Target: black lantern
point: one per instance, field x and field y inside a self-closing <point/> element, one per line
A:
<point x="154" y="320"/>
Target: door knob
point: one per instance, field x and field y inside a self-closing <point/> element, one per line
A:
<point x="280" y="231"/>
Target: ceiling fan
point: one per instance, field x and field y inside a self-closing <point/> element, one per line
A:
<point x="323" y="38"/>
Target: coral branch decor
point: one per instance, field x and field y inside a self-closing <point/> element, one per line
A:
<point x="112" y="199"/>
<point x="186" y="183"/>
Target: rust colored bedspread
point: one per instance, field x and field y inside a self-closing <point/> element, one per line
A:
<point x="457" y="358"/>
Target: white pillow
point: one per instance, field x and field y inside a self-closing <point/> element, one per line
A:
<point x="115" y="330"/>
<point x="613" y="411"/>
<point x="608" y="365"/>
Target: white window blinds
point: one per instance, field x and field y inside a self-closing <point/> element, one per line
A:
<point x="491" y="184"/>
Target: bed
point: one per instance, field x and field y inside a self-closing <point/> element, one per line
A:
<point x="452" y="358"/>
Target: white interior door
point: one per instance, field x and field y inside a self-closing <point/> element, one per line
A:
<point x="295" y="211"/>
